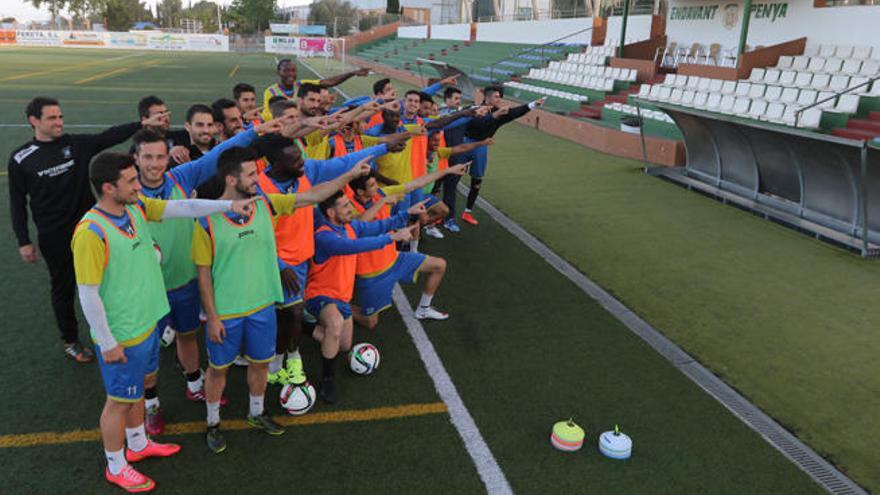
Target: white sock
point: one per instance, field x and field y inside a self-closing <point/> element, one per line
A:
<point x="197" y="384"/>
<point x="136" y="437"/>
<point x="256" y="405"/>
<point x="426" y="300"/>
<point x="116" y="461"/>
<point x="293" y="354"/>
<point x="276" y="363"/>
<point x="467" y="210"/>
<point x="149" y="403"/>
<point x="414" y="246"/>
<point x="213" y="413"/>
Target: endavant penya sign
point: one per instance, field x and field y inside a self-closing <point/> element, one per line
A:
<point x="729" y="13"/>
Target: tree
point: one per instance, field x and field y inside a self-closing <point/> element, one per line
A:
<point x="168" y="13"/>
<point x="372" y="20"/>
<point x="54" y="6"/>
<point x="120" y="15"/>
<point x="206" y="13"/>
<point x="251" y="16"/>
<point x="338" y="15"/>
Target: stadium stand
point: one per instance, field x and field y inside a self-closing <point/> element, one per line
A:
<point x="779" y="94"/>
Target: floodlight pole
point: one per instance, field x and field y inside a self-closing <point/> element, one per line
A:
<point x="744" y="32"/>
<point x="623" y="27"/>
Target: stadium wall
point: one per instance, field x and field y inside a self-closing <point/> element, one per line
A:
<point x="534" y="32"/>
<point x="708" y="21"/>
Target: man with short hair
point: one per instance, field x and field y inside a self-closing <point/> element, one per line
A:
<point x="50" y="174"/>
<point x="152" y="105"/>
<point x="122" y="297"/>
<point x="227" y="118"/>
<point x="486" y="127"/>
<point x="288" y="84"/>
<point x="288" y="172"/>
<point x="384" y="90"/>
<point x="239" y="283"/>
<point x="245" y="97"/>
<point x="174" y="240"/>
<point x="332" y="272"/>
<point x="451" y="138"/>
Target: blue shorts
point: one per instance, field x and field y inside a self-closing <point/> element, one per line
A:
<point x="252" y="336"/>
<point x="374" y="293"/>
<point x="419" y="195"/>
<point x="316" y="304"/>
<point x="479" y="159"/>
<point x="302" y="271"/>
<point x="185" y="307"/>
<point x="124" y="382"/>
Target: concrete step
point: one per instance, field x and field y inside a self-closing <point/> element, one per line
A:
<point x="864" y="125"/>
<point x="850" y="133"/>
<point x="874" y="115"/>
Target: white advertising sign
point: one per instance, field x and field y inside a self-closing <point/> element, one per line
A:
<point x="301" y="47"/>
<point x="141" y="40"/>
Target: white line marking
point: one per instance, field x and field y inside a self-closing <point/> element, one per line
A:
<point x="800" y="454"/>
<point x="487" y="467"/>
<point x="123" y="57"/>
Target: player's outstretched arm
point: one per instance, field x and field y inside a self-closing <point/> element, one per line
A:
<point x="341" y="78"/>
<point x="194" y="208"/>
<point x="324" y="190"/>
<point x="465" y="147"/>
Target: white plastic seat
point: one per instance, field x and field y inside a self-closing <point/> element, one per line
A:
<point x="644" y="90"/>
<point x="817" y="64"/>
<point x="800" y="63"/>
<point x="820" y="81"/>
<point x="846" y="104"/>
<point x="693" y="82"/>
<point x="789" y="95"/>
<point x="774" y="112"/>
<point x="771" y="76"/>
<point x="812" y="51"/>
<point x="608" y="85"/>
<point x="851" y="66"/>
<point x="757" y="109"/>
<point x="787" y="77"/>
<point x="773" y="93"/>
<point x="700" y="99"/>
<point x="875" y="89"/>
<point x="856" y="81"/>
<point x="680" y="81"/>
<point x="803" y="79"/>
<point x="703" y="84"/>
<point x="829" y="100"/>
<point x="655" y="92"/>
<point x="810" y="118"/>
<point x="788" y="115"/>
<point x="687" y="98"/>
<point x="757" y="91"/>
<point x="861" y="52"/>
<point x="757" y="75"/>
<point x="743" y="88"/>
<point x="833" y="65"/>
<point x="807" y="97"/>
<point x="844" y="51"/>
<point x="741" y="106"/>
<point x="726" y="105"/>
<point x="676" y="95"/>
<point x="838" y="83"/>
<point x="713" y="102"/>
<point x="827" y="50"/>
<point x="870" y="68"/>
<point x="785" y="62"/>
<point x="728" y="88"/>
<point x="715" y="85"/>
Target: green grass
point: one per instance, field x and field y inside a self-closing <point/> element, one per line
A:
<point x="525" y="347"/>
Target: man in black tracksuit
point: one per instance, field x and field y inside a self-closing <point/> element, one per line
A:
<point x="51" y="172"/>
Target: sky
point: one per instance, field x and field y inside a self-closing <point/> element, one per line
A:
<point x="24" y="11"/>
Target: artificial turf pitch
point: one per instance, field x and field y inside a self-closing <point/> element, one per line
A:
<point x="524" y="346"/>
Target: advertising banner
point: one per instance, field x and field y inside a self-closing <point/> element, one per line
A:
<point x="301" y="47"/>
<point x="138" y="40"/>
<point x="7" y="36"/>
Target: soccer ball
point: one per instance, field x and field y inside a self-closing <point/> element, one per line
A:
<point x="297" y="399"/>
<point x="363" y="358"/>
